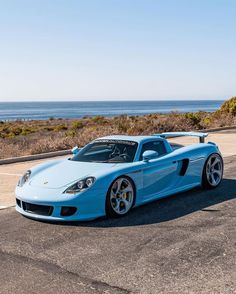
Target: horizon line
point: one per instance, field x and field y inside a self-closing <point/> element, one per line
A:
<point x="109" y="100"/>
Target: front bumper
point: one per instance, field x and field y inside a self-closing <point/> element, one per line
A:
<point x="56" y="215"/>
<point x="48" y="204"/>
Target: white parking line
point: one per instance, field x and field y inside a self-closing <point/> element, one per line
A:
<point x="8" y="174"/>
<point x="5" y="207"/>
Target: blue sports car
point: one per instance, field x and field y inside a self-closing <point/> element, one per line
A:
<point x="112" y="174"/>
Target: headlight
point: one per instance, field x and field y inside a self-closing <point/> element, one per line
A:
<point x="24" y="178"/>
<point x="80" y="185"/>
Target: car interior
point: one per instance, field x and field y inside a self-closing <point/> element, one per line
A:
<point x="107" y="152"/>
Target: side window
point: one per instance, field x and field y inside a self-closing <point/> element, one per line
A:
<point x="157" y="146"/>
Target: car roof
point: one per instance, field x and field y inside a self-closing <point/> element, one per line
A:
<point x="138" y="139"/>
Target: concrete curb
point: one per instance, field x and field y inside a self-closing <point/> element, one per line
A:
<point x="217" y="129"/>
<point x="67" y="152"/>
<point x="34" y="157"/>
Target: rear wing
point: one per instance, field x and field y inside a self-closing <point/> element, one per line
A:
<point x="201" y="136"/>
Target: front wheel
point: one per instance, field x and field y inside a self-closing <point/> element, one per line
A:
<point x="213" y="171"/>
<point x="120" y="197"/>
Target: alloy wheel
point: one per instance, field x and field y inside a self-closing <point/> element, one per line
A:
<point x="121" y="195"/>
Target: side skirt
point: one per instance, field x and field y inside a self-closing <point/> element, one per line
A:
<point x="168" y="193"/>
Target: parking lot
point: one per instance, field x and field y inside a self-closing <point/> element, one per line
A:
<point x="182" y="244"/>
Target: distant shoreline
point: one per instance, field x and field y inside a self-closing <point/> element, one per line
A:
<point x="11" y="111"/>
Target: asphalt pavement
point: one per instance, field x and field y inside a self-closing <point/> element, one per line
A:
<point x="182" y="244"/>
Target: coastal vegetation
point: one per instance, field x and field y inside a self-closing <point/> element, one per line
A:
<point x="31" y="137"/>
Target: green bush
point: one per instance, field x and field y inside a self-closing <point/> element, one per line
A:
<point x="26" y="131"/>
<point x="71" y="133"/>
<point x="77" y="125"/>
<point x="229" y="106"/>
<point x="193" y="117"/>
<point x="60" y="128"/>
<point x="207" y="121"/>
<point x="17" y="131"/>
<point x="11" y="135"/>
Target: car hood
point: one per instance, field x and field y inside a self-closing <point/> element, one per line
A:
<point x="67" y="172"/>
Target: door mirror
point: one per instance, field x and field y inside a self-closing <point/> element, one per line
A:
<point x="149" y="154"/>
<point x="75" y="150"/>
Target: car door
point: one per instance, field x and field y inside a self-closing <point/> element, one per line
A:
<point x="159" y="175"/>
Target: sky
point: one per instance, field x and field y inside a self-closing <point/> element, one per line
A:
<point x="117" y="49"/>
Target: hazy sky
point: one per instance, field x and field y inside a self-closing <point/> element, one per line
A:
<point x="117" y="49"/>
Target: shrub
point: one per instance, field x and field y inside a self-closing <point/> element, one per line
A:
<point x="11" y="135"/>
<point x="99" y="119"/>
<point x="193" y="117"/>
<point x="60" y="128"/>
<point x="207" y="121"/>
<point x="49" y="128"/>
<point x="71" y="133"/>
<point x="26" y="131"/>
<point x="17" y="131"/>
<point x="229" y="106"/>
<point x="123" y="124"/>
<point x="77" y="125"/>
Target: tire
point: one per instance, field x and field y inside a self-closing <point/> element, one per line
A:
<point x="213" y="171"/>
<point x="120" y="197"/>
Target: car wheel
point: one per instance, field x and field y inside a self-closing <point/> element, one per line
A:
<point x="213" y="171"/>
<point x="120" y="197"/>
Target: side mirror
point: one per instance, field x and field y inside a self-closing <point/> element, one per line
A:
<point x="149" y="154"/>
<point x="75" y="150"/>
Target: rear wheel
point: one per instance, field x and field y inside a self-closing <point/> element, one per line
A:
<point x="120" y="197"/>
<point x="213" y="171"/>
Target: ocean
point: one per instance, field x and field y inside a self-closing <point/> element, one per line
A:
<point x="78" y="109"/>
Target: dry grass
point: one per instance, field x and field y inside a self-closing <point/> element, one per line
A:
<point x="31" y="137"/>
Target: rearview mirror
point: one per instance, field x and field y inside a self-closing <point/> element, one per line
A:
<point x="149" y="154"/>
<point x="75" y="150"/>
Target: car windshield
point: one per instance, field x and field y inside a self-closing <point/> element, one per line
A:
<point x="116" y="151"/>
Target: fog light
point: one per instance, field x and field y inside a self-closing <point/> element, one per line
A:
<point x="68" y="210"/>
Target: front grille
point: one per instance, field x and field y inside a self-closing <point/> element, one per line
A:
<point x="37" y="209"/>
